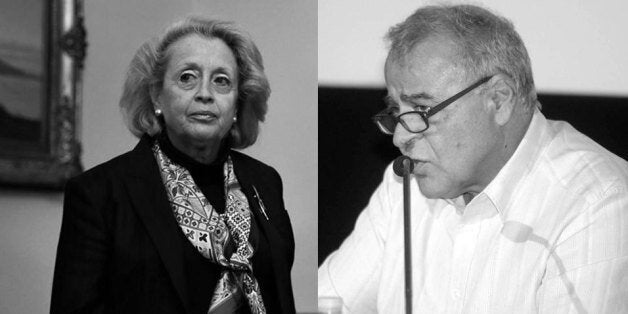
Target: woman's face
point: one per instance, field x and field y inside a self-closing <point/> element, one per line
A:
<point x="199" y="91"/>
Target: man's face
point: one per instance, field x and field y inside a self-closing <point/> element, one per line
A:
<point x="456" y="154"/>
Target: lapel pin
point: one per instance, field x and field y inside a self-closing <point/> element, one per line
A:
<point x="260" y="203"/>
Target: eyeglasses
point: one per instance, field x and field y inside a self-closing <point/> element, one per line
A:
<point x="416" y="121"/>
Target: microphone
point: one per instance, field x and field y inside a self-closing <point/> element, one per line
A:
<point x="403" y="167"/>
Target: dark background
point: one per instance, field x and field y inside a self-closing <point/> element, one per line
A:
<point x="353" y="154"/>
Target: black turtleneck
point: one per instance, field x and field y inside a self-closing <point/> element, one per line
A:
<point x="208" y="177"/>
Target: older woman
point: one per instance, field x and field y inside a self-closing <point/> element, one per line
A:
<point x="182" y="223"/>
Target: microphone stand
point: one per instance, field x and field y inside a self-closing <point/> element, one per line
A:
<point x="403" y="166"/>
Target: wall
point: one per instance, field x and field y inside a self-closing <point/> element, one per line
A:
<point x="285" y="32"/>
<point x="575" y="46"/>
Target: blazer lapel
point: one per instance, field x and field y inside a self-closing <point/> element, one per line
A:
<point x="262" y="215"/>
<point x="256" y="204"/>
<point x="281" y="250"/>
<point x="150" y="201"/>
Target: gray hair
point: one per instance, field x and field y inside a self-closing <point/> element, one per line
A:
<point x="149" y="64"/>
<point x="488" y="43"/>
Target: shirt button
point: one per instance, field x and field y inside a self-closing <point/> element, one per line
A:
<point x="456" y="294"/>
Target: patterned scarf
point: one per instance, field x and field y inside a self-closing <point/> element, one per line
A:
<point x="211" y="233"/>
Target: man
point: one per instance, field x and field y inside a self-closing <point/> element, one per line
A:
<point x="511" y="212"/>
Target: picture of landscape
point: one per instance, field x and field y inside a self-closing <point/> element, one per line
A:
<point x="22" y="71"/>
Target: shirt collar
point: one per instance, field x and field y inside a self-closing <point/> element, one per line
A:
<point x="515" y="172"/>
<point x="479" y="209"/>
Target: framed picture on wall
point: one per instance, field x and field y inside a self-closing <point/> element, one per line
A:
<point x="42" y="48"/>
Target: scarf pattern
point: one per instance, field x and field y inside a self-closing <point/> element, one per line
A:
<point x="215" y="235"/>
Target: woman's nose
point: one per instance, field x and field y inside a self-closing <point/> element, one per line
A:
<point x="205" y="94"/>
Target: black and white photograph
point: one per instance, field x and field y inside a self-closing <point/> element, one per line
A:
<point x="191" y="127"/>
<point x="473" y="157"/>
<point x="313" y="157"/>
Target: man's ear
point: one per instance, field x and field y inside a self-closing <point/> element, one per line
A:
<point x="154" y="96"/>
<point x="502" y="97"/>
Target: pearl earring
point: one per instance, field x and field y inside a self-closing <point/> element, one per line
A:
<point x="235" y="119"/>
<point x="158" y="112"/>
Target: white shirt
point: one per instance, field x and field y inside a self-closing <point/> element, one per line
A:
<point x="549" y="234"/>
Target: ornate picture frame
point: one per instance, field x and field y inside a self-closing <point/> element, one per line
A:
<point x="40" y="92"/>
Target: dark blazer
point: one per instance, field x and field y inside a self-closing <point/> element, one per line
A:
<point x="120" y="248"/>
